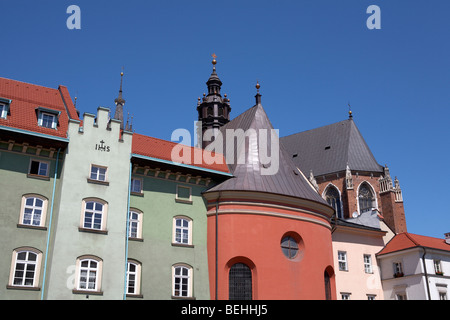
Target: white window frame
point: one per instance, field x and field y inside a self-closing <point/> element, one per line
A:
<point x="135" y="223"/>
<point x="345" y="295"/>
<point x="133" y="186"/>
<point x="96" y="175"/>
<point x="33" y="208"/>
<point x="136" y="277"/>
<point x="342" y="261"/>
<point x="398" y="267"/>
<point x="437" y="266"/>
<point x="54" y="119"/>
<point x="27" y="263"/>
<point x="368" y="268"/>
<point x="88" y="271"/>
<point x="93" y="211"/>
<point x="179" y="231"/>
<point x="180" y="279"/>
<point x="3" y="110"/>
<point x="43" y="168"/>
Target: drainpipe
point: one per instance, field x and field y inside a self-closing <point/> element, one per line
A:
<point x="126" y="235"/>
<point x="426" y="274"/>
<point x="50" y="224"/>
<point x="217" y="245"/>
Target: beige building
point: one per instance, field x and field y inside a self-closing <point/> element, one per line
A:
<point x="356" y="241"/>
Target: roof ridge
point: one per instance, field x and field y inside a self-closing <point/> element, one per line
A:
<point x="411" y="239"/>
<point x="28" y="83"/>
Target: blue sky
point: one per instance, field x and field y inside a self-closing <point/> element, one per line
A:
<point x="311" y="58"/>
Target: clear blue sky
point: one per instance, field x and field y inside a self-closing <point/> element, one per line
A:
<point x="310" y="57"/>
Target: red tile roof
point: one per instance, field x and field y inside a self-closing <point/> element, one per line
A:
<point x="27" y="97"/>
<point x="162" y="149"/>
<point x="407" y="240"/>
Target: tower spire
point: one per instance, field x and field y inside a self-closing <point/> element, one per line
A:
<point x="120" y="102"/>
<point x="258" y="95"/>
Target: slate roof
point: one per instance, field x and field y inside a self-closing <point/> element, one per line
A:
<point x="247" y="176"/>
<point x="330" y="148"/>
<point x="407" y="240"/>
<point x="26" y="98"/>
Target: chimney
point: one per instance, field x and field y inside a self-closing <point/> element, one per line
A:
<point x="447" y="238"/>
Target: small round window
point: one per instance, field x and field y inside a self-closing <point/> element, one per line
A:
<point x="289" y="246"/>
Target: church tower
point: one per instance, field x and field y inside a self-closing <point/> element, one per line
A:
<point x="213" y="110"/>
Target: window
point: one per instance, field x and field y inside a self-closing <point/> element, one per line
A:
<point x="89" y="270"/>
<point x="442" y="296"/>
<point x="33" y="210"/>
<point x="98" y="173"/>
<point x="398" y="269"/>
<point x="136" y="185"/>
<point x="334" y="200"/>
<point x="289" y="246"/>
<point x="39" y="168"/>
<point x="342" y="260"/>
<point x="327" y="282"/>
<point x="182" y="231"/>
<point x="135" y="224"/>
<point x="345" y="296"/>
<point x="368" y="263"/>
<point x="25" y="268"/>
<point x="3" y="110"/>
<point x="366" y="198"/>
<point x="438" y="267"/>
<point x="47" y="120"/>
<point x="181" y="281"/>
<point x="133" y="277"/>
<point x="240" y="282"/>
<point x="371" y="296"/>
<point x="183" y="194"/>
<point x="93" y="215"/>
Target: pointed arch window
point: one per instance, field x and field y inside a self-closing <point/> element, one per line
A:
<point x="366" y="198"/>
<point x="333" y="198"/>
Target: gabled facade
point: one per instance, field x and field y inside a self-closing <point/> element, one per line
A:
<point x="415" y="267"/>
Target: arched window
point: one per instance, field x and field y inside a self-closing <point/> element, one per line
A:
<point x="25" y="268"/>
<point x="135" y="224"/>
<point x="366" y="198"/>
<point x="94" y="215"/>
<point x="182" y="281"/>
<point x="182" y="230"/>
<point x="240" y="282"/>
<point x="33" y="210"/>
<point x="327" y="285"/>
<point x="133" y="277"/>
<point x="333" y="198"/>
<point x="89" y="271"/>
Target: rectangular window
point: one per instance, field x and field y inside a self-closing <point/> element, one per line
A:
<point x="47" y="120"/>
<point x="98" y="173"/>
<point x="345" y="296"/>
<point x="398" y="269"/>
<point x="438" y="267"/>
<point x="342" y="260"/>
<point x="3" y="111"/>
<point x="442" y="296"/>
<point x="39" y="168"/>
<point x="371" y="297"/>
<point x="136" y="185"/>
<point x="368" y="263"/>
<point x="183" y="194"/>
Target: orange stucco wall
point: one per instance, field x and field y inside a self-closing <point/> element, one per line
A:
<point x="254" y="239"/>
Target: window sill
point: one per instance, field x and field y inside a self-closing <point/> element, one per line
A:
<point x="23" y="288"/>
<point x="136" y="239"/>
<point x="87" y="292"/>
<point x="36" y="176"/>
<point x="175" y="244"/>
<point x="132" y="295"/>
<point x="29" y="226"/>
<point x="104" y="183"/>
<point x="81" y="229"/>
<point x="183" y="201"/>
<point x="183" y="298"/>
<point x="138" y="194"/>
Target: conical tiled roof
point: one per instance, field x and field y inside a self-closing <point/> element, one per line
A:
<point x="249" y="176"/>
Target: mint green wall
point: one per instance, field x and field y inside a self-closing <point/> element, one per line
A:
<point x="71" y="243"/>
<point x="156" y="252"/>
<point x="14" y="183"/>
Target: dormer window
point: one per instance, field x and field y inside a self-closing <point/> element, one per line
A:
<point x="48" y="118"/>
<point x="4" y="108"/>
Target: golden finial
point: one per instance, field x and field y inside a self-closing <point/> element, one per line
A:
<point x="349" y="111"/>
<point x="257" y="86"/>
<point x="214" y="59"/>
